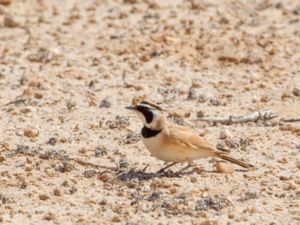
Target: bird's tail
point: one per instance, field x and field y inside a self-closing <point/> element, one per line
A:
<point x="236" y="161"/>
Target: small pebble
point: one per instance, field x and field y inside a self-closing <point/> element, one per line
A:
<point x="193" y="179"/>
<point x="43" y="197"/>
<point x="5" y="2"/>
<point x="232" y="143"/>
<point x="296" y="92"/>
<point x="225" y="134"/>
<point x="187" y="114"/>
<point x="27" y="109"/>
<point x="123" y="163"/>
<point x="10" y="22"/>
<point x="104" y="177"/>
<point x="230" y="215"/>
<point x="56" y="192"/>
<point x="264" y="98"/>
<point x="31" y="132"/>
<point x="103" y="202"/>
<point x="200" y="114"/>
<point x="221" y="145"/>
<point x="131" y="137"/>
<point x="210" y="203"/>
<point x="283" y="178"/>
<point x="52" y="141"/>
<point x="38" y="95"/>
<point x="89" y="173"/>
<point x="65" y="183"/>
<point x="222" y="167"/>
<point x="192" y="95"/>
<point x="209" y="222"/>
<point x="23" y="184"/>
<point x="24" y="149"/>
<point x="154" y="196"/>
<point x="49" y="216"/>
<point x="285" y="95"/>
<point x="105" y="104"/>
<point x="202" y="98"/>
<point x="2" y="159"/>
<point x="116" y="219"/>
<point x="63" y="167"/>
<point x="100" y="151"/>
<point x="72" y="190"/>
<point x="215" y="102"/>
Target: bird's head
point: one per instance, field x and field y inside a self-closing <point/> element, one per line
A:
<point x="150" y="114"/>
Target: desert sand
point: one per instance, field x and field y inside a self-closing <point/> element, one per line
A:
<point x="69" y="68"/>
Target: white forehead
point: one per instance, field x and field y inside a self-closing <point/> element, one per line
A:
<point x="145" y="105"/>
<point x="155" y="111"/>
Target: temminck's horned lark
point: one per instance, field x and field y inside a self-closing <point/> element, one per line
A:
<point x="173" y="143"/>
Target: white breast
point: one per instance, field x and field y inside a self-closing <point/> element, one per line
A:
<point x="153" y="145"/>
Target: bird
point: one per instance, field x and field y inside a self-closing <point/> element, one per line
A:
<point x="174" y="143"/>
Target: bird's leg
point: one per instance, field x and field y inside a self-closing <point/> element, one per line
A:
<point x="190" y="164"/>
<point x="166" y="167"/>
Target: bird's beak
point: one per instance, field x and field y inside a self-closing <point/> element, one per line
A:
<point x="131" y="107"/>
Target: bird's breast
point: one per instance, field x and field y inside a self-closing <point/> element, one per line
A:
<point x="160" y="150"/>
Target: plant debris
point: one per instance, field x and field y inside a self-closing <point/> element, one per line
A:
<point x="261" y="115"/>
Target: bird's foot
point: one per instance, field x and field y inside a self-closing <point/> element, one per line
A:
<point x="162" y="170"/>
<point x="197" y="169"/>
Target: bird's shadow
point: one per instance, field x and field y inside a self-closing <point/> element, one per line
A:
<point x="141" y="175"/>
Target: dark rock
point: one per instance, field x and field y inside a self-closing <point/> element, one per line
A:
<point x="111" y="124"/>
<point x="202" y="98"/>
<point x="105" y="104"/>
<point x="64" y="167"/>
<point x="132" y="137"/>
<point x="279" y="5"/>
<point x="24" y="149"/>
<point x="122" y="120"/>
<point x="296" y="11"/>
<point x="5" y="200"/>
<point x="123" y="163"/>
<point x="154" y="196"/>
<point x="200" y="114"/>
<point x="249" y="195"/>
<point x="89" y="173"/>
<point x="210" y="203"/>
<point x="52" y="141"/>
<point x="296" y="91"/>
<point x="192" y="94"/>
<point x="72" y="190"/>
<point x="100" y="151"/>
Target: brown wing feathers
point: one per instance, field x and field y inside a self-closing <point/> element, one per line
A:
<point x="189" y="139"/>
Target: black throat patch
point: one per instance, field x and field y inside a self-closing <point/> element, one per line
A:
<point x="148" y="133"/>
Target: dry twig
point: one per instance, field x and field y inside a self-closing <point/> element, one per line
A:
<point x="84" y="163"/>
<point x="295" y="128"/>
<point x="64" y="158"/>
<point x="264" y="115"/>
<point x="292" y="120"/>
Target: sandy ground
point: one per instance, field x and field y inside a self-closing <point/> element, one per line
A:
<point x="68" y="69"/>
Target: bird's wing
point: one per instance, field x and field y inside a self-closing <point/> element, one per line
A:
<point x="186" y="138"/>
